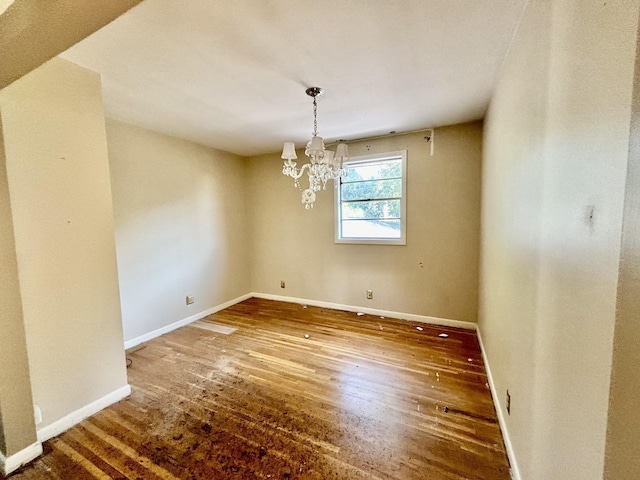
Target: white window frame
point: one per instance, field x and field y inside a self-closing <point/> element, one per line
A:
<point x="403" y="201"/>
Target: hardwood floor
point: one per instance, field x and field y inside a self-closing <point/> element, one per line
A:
<point x="362" y="398"/>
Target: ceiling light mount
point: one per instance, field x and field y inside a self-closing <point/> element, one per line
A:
<point x="324" y="165"/>
<point x="314" y="91"/>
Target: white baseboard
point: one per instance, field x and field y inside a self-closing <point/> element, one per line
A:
<point x="181" y="323"/>
<point x="65" y="423"/>
<point x="371" y="311"/>
<point x="13" y="462"/>
<point x="515" y="470"/>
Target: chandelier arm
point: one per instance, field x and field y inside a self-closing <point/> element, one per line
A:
<point x="296" y="174"/>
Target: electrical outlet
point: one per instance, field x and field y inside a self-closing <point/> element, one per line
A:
<point x="369" y="294"/>
<point x="508" y="403"/>
<point x="282" y="283"/>
<point x="190" y="299"/>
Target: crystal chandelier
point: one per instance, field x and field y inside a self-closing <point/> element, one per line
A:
<point x="324" y="165"/>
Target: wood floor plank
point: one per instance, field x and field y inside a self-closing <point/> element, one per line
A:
<point x="82" y="460"/>
<point x="362" y="397"/>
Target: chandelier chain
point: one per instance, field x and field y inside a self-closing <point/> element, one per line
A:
<point x="315" y="117"/>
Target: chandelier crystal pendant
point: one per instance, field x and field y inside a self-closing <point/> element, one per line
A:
<point x="324" y="165"/>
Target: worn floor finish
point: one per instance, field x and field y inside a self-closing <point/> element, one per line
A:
<point x="361" y="398"/>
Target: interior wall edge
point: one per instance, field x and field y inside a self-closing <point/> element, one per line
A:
<point x="445" y="322"/>
<point x="181" y="323"/>
<point x="13" y="462"/>
<point x="75" y="417"/>
<point x="623" y="419"/>
<point x="502" y="421"/>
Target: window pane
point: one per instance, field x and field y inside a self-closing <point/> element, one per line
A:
<point x="377" y="209"/>
<point x="373" y="170"/>
<point x="372" y="189"/>
<point x="371" y="200"/>
<point x="371" y="228"/>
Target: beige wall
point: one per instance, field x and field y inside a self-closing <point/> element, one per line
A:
<point x="296" y="245"/>
<point x="623" y="433"/>
<point x="556" y="144"/>
<point x="58" y="172"/>
<point x="180" y="227"/>
<point x="17" y="429"/>
<point x="512" y="181"/>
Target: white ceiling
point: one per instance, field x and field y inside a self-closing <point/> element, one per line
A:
<point x="232" y="74"/>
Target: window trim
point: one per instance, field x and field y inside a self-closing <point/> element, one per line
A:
<point x="402" y="154"/>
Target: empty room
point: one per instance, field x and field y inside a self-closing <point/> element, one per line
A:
<point x="320" y="240"/>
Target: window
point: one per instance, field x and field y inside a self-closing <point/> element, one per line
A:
<point x="371" y="200"/>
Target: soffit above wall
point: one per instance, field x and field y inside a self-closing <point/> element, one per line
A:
<point x="34" y="31"/>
